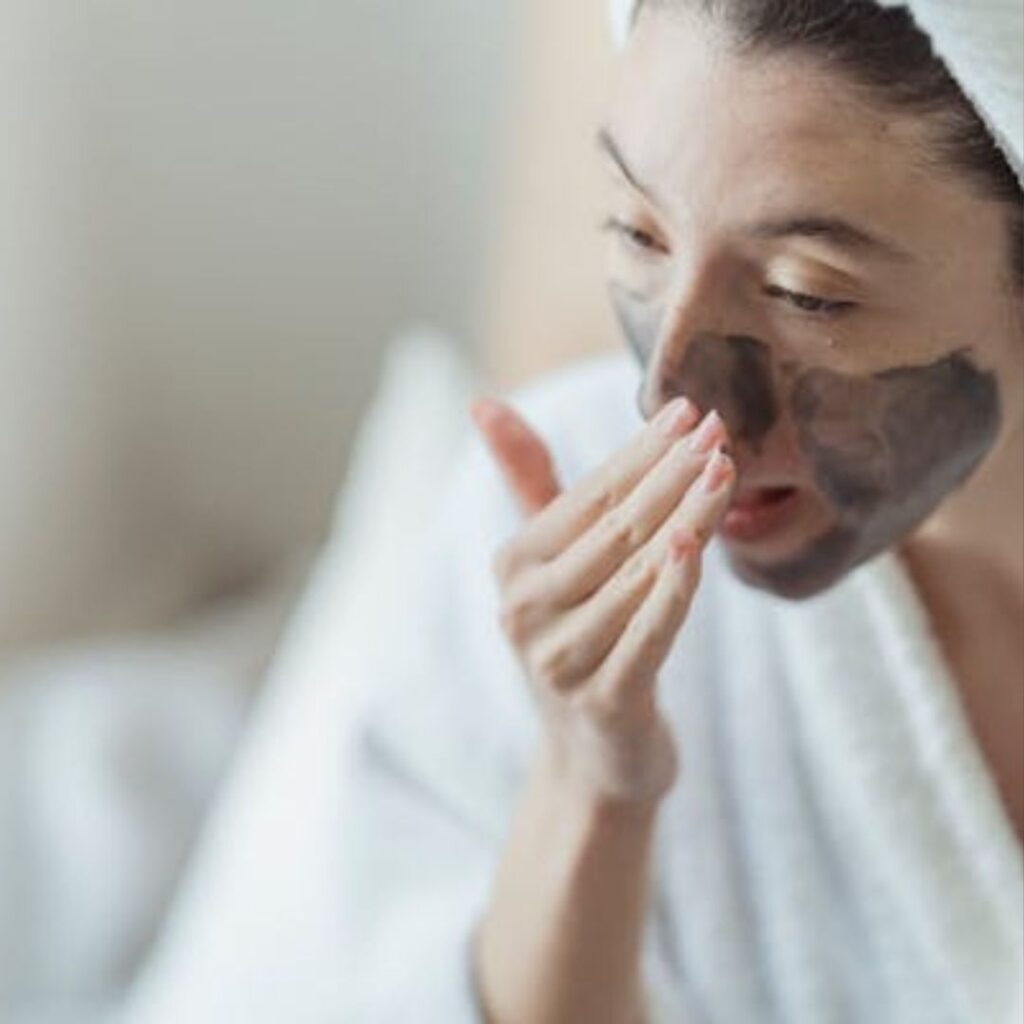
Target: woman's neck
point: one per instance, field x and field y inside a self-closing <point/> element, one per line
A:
<point x="968" y="566"/>
<point x="981" y="528"/>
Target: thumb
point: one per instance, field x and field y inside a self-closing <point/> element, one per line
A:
<point x="522" y="457"/>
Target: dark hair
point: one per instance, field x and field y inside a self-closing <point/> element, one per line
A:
<point x="883" y="50"/>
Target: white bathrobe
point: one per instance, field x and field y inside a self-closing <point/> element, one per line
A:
<point x="835" y="849"/>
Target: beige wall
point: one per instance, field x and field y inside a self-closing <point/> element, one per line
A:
<point x="546" y="302"/>
<point x="57" y="514"/>
<point x="213" y="215"/>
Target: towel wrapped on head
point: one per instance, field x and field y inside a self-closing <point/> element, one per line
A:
<point x="982" y="45"/>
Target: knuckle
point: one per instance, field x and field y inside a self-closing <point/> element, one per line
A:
<point x="551" y="668"/>
<point x="703" y="530"/>
<point x="608" y="710"/>
<point x="620" y="530"/>
<point x="692" y="522"/>
<point x="649" y="647"/>
<point x="604" y="499"/>
<point x="505" y="562"/>
<point x="638" y="570"/>
<point x="594" y="498"/>
<point x="515" y="618"/>
<point x="634" y="577"/>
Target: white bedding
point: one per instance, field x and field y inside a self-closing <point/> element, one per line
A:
<point x="109" y="755"/>
<point x="255" y="935"/>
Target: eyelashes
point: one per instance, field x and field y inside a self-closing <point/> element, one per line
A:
<point x="645" y="245"/>
<point x="634" y="237"/>
<point x="810" y="303"/>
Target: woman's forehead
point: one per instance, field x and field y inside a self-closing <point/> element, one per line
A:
<point x="719" y="139"/>
<point x="690" y="112"/>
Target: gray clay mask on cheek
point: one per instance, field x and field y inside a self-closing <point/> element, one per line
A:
<point x="905" y="436"/>
<point x="640" y="323"/>
<point x="882" y="450"/>
<point x="885" y="450"/>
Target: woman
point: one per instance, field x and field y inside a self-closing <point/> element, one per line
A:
<point x="777" y="776"/>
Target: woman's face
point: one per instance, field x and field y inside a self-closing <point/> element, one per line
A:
<point x="782" y="252"/>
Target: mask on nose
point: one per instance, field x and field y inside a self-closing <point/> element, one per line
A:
<point x="733" y="374"/>
<point x="881" y="451"/>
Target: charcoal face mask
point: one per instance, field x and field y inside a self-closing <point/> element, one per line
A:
<point x="883" y="450"/>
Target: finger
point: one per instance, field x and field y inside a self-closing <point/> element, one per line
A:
<point x="705" y="502"/>
<point x="574" y="649"/>
<point x="630" y="671"/>
<point x="580" y="507"/>
<point x="608" y="558"/>
<point x="593" y="558"/>
<point x="567" y="654"/>
<point x="522" y="457"/>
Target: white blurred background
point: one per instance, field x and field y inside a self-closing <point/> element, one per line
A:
<point x="215" y="217"/>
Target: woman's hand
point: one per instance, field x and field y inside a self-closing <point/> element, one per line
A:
<point x="597" y="584"/>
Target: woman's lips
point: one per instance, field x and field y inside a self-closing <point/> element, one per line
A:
<point x="758" y="512"/>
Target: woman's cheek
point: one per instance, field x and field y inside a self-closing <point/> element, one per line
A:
<point x="882" y="449"/>
<point x="640" y="323"/>
<point x="877" y="445"/>
<point x="896" y="441"/>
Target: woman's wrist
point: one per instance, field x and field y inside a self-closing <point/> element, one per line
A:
<point x="581" y="818"/>
<point x="563" y="935"/>
<point x="593" y="785"/>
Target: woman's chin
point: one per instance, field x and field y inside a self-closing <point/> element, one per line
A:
<point x="791" y="550"/>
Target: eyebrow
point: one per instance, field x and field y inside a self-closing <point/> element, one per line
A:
<point x="608" y="145"/>
<point x="835" y="230"/>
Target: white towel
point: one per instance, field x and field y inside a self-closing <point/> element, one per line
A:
<point x="835" y="852"/>
<point x="982" y="44"/>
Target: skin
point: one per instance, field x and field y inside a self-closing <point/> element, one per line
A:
<point x="693" y="267"/>
<point x="882" y="449"/>
<point x="595" y="589"/>
<point x="898" y="419"/>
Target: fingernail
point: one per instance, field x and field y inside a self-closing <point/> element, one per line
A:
<point x="677" y="417"/>
<point x="717" y="473"/>
<point x="707" y="435"/>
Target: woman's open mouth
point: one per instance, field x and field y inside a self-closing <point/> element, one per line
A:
<point x="757" y="512"/>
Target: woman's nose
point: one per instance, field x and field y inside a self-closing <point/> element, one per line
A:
<point x="692" y="314"/>
<point x="732" y="374"/>
<point x="699" y="353"/>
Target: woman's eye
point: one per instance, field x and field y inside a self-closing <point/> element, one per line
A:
<point x="634" y="236"/>
<point x="809" y="303"/>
